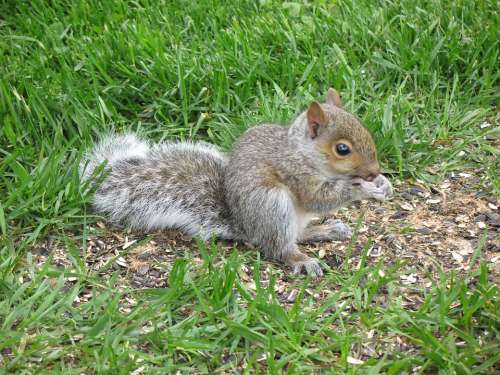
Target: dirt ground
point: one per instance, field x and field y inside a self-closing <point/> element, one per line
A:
<point x="430" y="228"/>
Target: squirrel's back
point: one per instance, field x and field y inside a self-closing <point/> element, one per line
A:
<point x="166" y="186"/>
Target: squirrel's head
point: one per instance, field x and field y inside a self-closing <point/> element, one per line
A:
<point x="341" y="139"/>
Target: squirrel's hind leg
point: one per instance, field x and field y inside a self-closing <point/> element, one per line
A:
<point x="272" y="224"/>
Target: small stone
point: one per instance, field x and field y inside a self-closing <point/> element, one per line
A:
<point x="138" y="281"/>
<point x="424" y="230"/>
<point x="398" y="215"/>
<point x="321" y="253"/>
<point x="390" y="238"/>
<point x="415" y="191"/>
<point x="481" y="224"/>
<point x="406" y="196"/>
<point x="481" y="194"/>
<point x="480" y="217"/>
<point x="492" y="206"/>
<point x="155" y="274"/>
<point x="492" y="216"/>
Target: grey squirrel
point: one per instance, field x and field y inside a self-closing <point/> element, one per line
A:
<point x="265" y="192"/>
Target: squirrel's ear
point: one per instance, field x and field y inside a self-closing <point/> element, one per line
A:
<point x="333" y="98"/>
<point x="316" y="119"/>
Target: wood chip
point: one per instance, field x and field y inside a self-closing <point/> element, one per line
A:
<point x="409" y="279"/>
<point x="465" y="247"/>
<point x="459" y="258"/>
<point x="433" y="201"/>
<point x="406" y="206"/>
<point x="121" y="262"/>
<point x="354" y="361"/>
<point x="127" y="244"/>
<point x="292" y="296"/>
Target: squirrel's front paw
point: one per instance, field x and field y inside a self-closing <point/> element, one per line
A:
<point x="380" y="188"/>
<point x="384" y="184"/>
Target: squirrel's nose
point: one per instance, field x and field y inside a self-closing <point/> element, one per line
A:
<point x="368" y="172"/>
<point x="370" y="176"/>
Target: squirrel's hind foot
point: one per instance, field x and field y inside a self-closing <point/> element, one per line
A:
<point x="301" y="262"/>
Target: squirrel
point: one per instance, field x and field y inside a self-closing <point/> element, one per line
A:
<point x="265" y="192"/>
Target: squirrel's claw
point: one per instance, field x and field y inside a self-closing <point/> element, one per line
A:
<point x="311" y="266"/>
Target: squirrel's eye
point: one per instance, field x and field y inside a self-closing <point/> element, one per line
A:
<point x="342" y="149"/>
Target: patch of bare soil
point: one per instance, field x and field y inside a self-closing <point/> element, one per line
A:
<point x="430" y="228"/>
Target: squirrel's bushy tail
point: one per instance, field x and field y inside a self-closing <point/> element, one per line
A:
<point x="171" y="185"/>
<point x="110" y="149"/>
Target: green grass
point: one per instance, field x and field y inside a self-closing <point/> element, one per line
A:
<point x="423" y="76"/>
